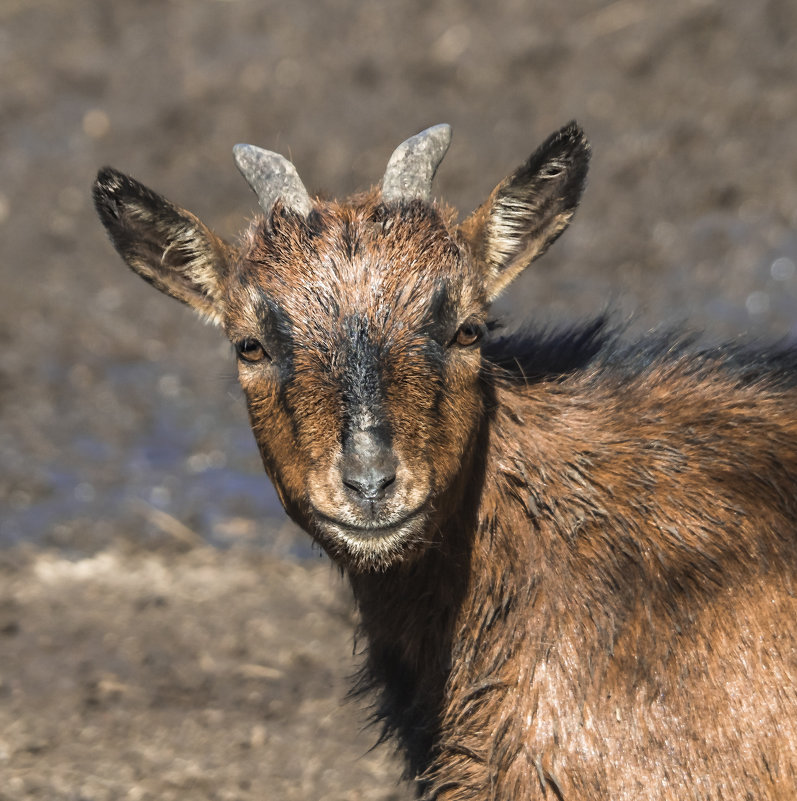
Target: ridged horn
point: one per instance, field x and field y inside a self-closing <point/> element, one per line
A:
<point x="412" y="166"/>
<point x="272" y="177"/>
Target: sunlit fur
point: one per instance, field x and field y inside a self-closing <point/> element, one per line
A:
<point x="580" y="583"/>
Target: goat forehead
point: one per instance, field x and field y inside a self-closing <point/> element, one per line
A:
<point x="387" y="283"/>
<point x="351" y="316"/>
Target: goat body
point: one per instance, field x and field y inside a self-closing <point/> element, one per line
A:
<point x="574" y="561"/>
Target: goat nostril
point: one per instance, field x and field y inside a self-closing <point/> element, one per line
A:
<point x="371" y="487"/>
<point x="386" y="481"/>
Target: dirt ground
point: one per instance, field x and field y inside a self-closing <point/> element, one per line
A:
<point x="164" y="633"/>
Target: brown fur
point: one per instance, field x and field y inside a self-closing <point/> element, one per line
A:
<point x="639" y="641"/>
<point x="580" y="581"/>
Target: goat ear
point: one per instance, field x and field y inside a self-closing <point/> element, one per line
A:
<point x="528" y="211"/>
<point x="166" y="245"/>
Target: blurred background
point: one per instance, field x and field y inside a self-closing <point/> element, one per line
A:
<point x="165" y="632"/>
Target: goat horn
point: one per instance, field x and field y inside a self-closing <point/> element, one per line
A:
<point x="272" y="177"/>
<point x="413" y="164"/>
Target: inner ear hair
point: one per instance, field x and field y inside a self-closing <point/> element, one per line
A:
<point x="166" y="245"/>
<point x="527" y="212"/>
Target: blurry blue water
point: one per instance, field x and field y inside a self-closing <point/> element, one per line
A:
<point x="95" y="490"/>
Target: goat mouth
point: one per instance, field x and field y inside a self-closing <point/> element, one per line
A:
<point x="373" y="531"/>
<point x="373" y="547"/>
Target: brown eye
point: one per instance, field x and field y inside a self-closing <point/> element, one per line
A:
<point x="250" y="350"/>
<point x="470" y="332"/>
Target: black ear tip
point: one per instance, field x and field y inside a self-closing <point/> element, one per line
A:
<point x="564" y="155"/>
<point x="106" y="183"/>
<point x="106" y="191"/>
<point x="574" y="138"/>
<point x="113" y="190"/>
<point x="109" y="180"/>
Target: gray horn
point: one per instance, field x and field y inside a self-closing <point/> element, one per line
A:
<point x="272" y="177"/>
<point x="413" y="164"/>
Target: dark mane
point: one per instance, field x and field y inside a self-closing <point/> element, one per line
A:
<point x="528" y="355"/>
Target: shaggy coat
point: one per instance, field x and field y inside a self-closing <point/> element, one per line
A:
<point x="574" y="560"/>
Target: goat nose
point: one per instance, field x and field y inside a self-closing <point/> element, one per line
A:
<point x="369" y="466"/>
<point x="370" y="484"/>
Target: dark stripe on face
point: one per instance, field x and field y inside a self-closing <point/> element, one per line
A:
<point x="441" y="325"/>
<point x="434" y="355"/>
<point x="361" y="382"/>
<point x="441" y="316"/>
<point x="277" y="336"/>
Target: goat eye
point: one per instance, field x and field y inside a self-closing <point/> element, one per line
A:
<point x="250" y="350"/>
<point x="469" y="333"/>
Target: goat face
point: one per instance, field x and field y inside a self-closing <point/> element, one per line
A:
<point x="357" y="326"/>
<point x="357" y="332"/>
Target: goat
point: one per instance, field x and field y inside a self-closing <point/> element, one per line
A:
<point x="573" y="558"/>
